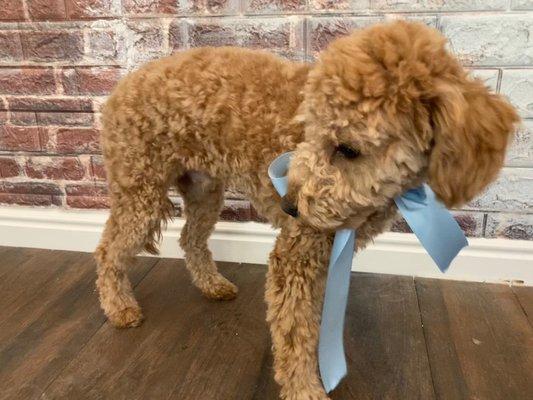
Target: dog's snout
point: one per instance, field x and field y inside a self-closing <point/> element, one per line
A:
<point x="289" y="207"/>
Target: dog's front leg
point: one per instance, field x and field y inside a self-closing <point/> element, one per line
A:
<point x="294" y="294"/>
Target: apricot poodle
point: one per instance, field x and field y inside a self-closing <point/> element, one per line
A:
<point x="381" y="111"/>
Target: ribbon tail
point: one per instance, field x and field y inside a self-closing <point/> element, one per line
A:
<point x="434" y="226"/>
<point x="331" y="358"/>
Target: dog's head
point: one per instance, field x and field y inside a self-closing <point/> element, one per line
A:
<point x="386" y="109"/>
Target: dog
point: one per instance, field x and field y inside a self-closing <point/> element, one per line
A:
<point x="381" y="111"/>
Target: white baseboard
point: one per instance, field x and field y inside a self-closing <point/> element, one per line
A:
<point x="490" y="260"/>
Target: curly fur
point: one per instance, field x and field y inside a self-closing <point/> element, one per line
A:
<point x="212" y="118"/>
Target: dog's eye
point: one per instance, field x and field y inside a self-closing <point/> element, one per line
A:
<point x="347" y="151"/>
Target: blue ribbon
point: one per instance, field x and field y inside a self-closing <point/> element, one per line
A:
<point x="432" y="224"/>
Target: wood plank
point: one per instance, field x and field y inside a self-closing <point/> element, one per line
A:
<point x="31" y="276"/>
<point x="479" y="341"/>
<point x="59" y="273"/>
<point x="188" y="347"/>
<point x="266" y="388"/>
<point x="53" y="325"/>
<point x="12" y="257"/>
<point x="384" y="341"/>
<point x="524" y="295"/>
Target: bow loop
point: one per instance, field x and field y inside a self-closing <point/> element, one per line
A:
<point x="415" y="198"/>
<point x="277" y="171"/>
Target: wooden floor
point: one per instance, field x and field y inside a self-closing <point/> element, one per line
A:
<point x="405" y="339"/>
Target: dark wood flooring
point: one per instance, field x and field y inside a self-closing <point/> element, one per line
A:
<point x="405" y="339"/>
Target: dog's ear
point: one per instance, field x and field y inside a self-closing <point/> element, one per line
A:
<point x="471" y="128"/>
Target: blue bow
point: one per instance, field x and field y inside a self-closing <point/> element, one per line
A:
<point x="432" y="224"/>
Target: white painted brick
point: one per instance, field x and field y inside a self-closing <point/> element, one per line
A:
<point x="517" y="85"/>
<point x="491" y="39"/>
<point x="338" y="5"/>
<point x="522" y="5"/>
<point x="520" y="152"/>
<point x="144" y="40"/>
<point x="512" y="191"/>
<point x="429" y="20"/>
<point x="510" y="226"/>
<point x="489" y="76"/>
<point x="322" y="30"/>
<point x="438" y="5"/>
<point x="283" y="36"/>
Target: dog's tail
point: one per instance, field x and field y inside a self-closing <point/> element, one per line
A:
<point x="154" y="236"/>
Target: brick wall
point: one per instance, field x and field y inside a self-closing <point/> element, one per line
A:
<point x="59" y="59"/>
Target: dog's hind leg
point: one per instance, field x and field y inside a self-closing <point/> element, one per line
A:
<point x="203" y="197"/>
<point x="134" y="222"/>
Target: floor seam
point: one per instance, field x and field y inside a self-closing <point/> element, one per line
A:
<point x="521" y="307"/>
<point x="425" y="338"/>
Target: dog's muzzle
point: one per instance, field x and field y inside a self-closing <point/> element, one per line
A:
<point x="289" y="207"/>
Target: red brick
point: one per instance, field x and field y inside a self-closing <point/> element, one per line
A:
<point x="77" y="141"/>
<point x="97" y="166"/>
<point x="45" y="10"/>
<point x="8" y="167"/>
<point x="32" y="118"/>
<point x="86" y="189"/>
<point x="88" y="202"/>
<point x="3" y="118"/>
<point x="87" y="196"/>
<point x="151" y="6"/>
<point x="13" y="138"/>
<point x="274" y="6"/>
<point x="468" y="224"/>
<point x="235" y="210"/>
<point x="89" y="9"/>
<point x="27" y="81"/>
<point x="30" y="193"/>
<point x="23" y="118"/>
<point x="49" y="104"/>
<point x="255" y="216"/>
<point x="12" y="10"/>
<point x="93" y="81"/>
<point x="52" y="45"/>
<point x="10" y="46"/>
<point x="65" y="118"/>
<point x="69" y="168"/>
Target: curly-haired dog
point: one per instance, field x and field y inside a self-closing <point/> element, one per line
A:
<point x="382" y="111"/>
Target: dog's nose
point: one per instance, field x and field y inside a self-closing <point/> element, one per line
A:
<point x="288" y="207"/>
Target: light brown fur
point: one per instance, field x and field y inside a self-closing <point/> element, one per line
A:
<point x="214" y="118"/>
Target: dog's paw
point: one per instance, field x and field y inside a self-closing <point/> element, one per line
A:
<point x="129" y="317"/>
<point x="219" y="288"/>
